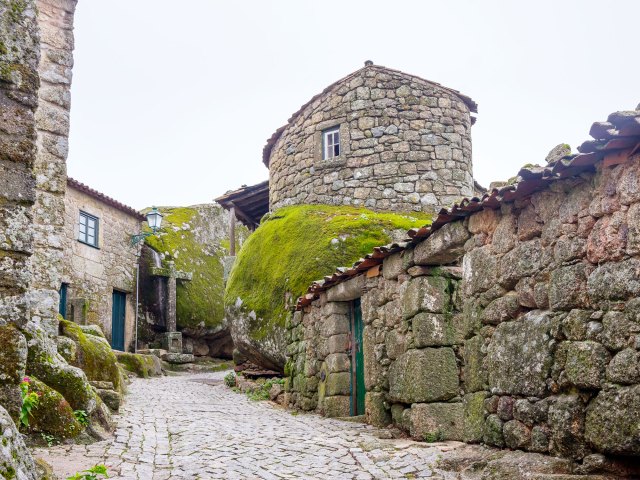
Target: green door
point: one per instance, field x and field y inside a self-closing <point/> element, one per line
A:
<point x="357" y="361"/>
<point x="117" y="320"/>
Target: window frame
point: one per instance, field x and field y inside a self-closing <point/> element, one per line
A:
<point x="327" y="134"/>
<point x="83" y="237"/>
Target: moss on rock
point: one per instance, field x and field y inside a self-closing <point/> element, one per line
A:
<point x="68" y="380"/>
<point x="291" y="248"/>
<point x="188" y="237"/>
<point x="143" y="366"/>
<point x="94" y="354"/>
<point x="53" y="415"/>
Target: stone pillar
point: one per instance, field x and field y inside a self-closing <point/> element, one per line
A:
<point x="171" y="305"/>
<point x="55" y="19"/>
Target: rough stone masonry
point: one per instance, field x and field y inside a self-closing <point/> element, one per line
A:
<point x="405" y="145"/>
<point x="36" y="42"/>
<point x="515" y="323"/>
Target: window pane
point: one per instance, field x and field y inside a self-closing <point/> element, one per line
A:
<point x="336" y="150"/>
<point x="83" y="219"/>
<point x="336" y="137"/>
<point x="91" y="223"/>
<point x="83" y="229"/>
<point x="91" y="240"/>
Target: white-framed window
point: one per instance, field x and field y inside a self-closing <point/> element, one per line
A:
<point x="331" y="143"/>
<point x="88" y="229"/>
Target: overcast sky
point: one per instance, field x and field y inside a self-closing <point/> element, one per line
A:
<point x="172" y="102"/>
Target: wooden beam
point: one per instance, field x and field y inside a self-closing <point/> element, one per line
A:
<point x="240" y="215"/>
<point x="232" y="232"/>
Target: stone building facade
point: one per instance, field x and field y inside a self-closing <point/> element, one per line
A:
<point x="513" y="320"/>
<point x="403" y="144"/>
<point x="96" y="275"/>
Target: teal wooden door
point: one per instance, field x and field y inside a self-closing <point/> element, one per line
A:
<point x="357" y="361"/>
<point x="117" y="320"/>
<point x="62" y="307"/>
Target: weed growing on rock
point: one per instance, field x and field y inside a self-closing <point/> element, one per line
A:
<point x="261" y="392"/>
<point x="432" y="437"/>
<point x="29" y="401"/>
<point x="50" y="440"/>
<point x="230" y="379"/>
<point x="81" y="417"/>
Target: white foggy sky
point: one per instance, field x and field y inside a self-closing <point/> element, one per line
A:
<point x="172" y="101"/>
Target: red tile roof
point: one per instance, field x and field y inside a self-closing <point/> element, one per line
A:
<point x="104" y="198"/>
<point x="616" y="139"/>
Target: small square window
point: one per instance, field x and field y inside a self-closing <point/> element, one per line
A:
<point x="88" y="230"/>
<point x="331" y="143"/>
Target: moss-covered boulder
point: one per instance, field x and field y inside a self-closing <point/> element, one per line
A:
<point x="93" y="353"/>
<point x="53" y="415"/>
<point x="44" y="363"/>
<point x="195" y="239"/>
<point x="144" y="366"/>
<point x="291" y="248"/>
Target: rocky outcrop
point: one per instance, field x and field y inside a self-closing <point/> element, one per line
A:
<point x="196" y="239"/>
<point x="292" y="247"/>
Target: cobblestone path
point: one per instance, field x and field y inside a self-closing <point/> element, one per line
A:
<point x="189" y="427"/>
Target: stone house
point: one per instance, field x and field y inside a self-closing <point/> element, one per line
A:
<point x="513" y="319"/>
<point x="377" y="138"/>
<point x="98" y="278"/>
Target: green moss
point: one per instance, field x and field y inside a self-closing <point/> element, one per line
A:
<point x="9" y="472"/>
<point x="297" y="245"/>
<point x="199" y="302"/>
<point x="94" y="354"/>
<point x="53" y="415"/>
<point x="69" y="381"/>
<point x="142" y="365"/>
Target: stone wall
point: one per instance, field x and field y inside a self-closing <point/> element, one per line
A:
<point x="19" y="56"/>
<point x="517" y="327"/>
<point x="35" y="59"/>
<point x="92" y="274"/>
<point x="405" y="146"/>
<point x="55" y="19"/>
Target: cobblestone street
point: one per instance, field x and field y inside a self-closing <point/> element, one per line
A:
<point x="193" y="427"/>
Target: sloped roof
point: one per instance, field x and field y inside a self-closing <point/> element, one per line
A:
<point x="250" y="202"/>
<point x="613" y="142"/>
<point x="266" y="151"/>
<point x="104" y="198"/>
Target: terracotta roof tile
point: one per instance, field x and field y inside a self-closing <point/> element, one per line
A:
<point x="104" y="198"/>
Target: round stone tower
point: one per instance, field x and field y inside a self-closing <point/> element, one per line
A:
<point x="378" y="138"/>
